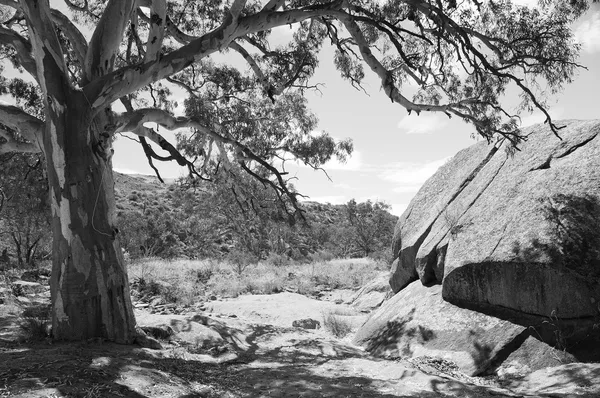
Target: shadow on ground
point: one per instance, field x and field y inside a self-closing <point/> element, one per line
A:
<point x="257" y="369"/>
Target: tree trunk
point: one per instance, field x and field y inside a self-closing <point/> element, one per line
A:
<point x="18" y="249"/>
<point x="89" y="284"/>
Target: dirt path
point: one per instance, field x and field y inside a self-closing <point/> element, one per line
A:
<point x="253" y="354"/>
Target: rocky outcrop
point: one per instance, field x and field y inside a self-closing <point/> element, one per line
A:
<point x="510" y="231"/>
<point x="417" y="322"/>
<point x="497" y="255"/>
<point x="372" y="295"/>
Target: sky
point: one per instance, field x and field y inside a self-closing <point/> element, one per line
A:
<point x="395" y="153"/>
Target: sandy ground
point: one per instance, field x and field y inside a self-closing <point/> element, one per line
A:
<point x="247" y="347"/>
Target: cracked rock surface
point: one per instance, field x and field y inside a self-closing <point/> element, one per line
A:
<point x="513" y="234"/>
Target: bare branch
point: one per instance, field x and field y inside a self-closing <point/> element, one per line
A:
<point x="386" y="77"/>
<point x="53" y="71"/>
<point x="106" y="89"/>
<point x="107" y="37"/>
<point x="29" y="127"/>
<point x="273" y="5"/>
<point x="22" y="47"/>
<point x="76" y="38"/>
<point x="158" y="15"/>
<point x="12" y="145"/>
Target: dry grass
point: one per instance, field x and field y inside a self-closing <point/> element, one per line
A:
<point x="337" y="324"/>
<point x="183" y="281"/>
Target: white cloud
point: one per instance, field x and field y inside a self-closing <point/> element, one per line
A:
<point x="398" y="208"/>
<point x="410" y="175"/>
<point x="539" y="117"/>
<point x="353" y="163"/>
<point x="407" y="188"/>
<point x="423" y="123"/>
<point x="588" y="32"/>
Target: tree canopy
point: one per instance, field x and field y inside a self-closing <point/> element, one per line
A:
<point x="93" y="69"/>
<point x="460" y="56"/>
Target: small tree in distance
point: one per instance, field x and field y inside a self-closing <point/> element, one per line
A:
<point x="372" y="225"/>
<point x="461" y="56"/>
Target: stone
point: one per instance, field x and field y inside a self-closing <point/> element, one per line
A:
<point x="511" y="233"/>
<point x="27" y="287"/>
<point x="417" y="322"/>
<point x="531" y="355"/>
<point x="373" y="294"/>
<point x="145" y="341"/>
<point x="307" y="324"/>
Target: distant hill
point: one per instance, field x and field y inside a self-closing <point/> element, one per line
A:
<point x="166" y="206"/>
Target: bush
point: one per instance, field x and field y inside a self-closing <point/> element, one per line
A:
<point x="336" y="325"/>
<point x="240" y="260"/>
<point x="323" y="256"/>
<point x="277" y="260"/>
<point x="34" y="329"/>
<point x="35" y="323"/>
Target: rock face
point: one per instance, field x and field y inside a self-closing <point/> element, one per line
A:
<point x="417" y="322"/>
<point x="510" y="231"/>
<point x="372" y="295"/>
<point x="514" y="235"/>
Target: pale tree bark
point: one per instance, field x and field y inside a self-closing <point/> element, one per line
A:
<point x="89" y="285"/>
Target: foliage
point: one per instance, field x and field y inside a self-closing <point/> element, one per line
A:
<point x="203" y="220"/>
<point x="372" y="225"/>
<point x="186" y="282"/>
<point x="575" y="222"/>
<point x="24" y="208"/>
<point x="460" y="56"/>
<point x="336" y="324"/>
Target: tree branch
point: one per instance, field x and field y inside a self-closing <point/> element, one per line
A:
<point x="12" y="145"/>
<point x="106" y="89"/>
<point x="29" y="127"/>
<point x="76" y="38"/>
<point x="52" y="70"/>
<point x="106" y="39"/>
<point x="22" y="47"/>
<point x="158" y="15"/>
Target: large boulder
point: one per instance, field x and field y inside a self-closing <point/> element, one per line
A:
<point x="511" y="233"/>
<point x="417" y="322"/>
<point x="497" y="258"/>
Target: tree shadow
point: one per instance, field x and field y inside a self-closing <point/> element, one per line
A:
<point x="394" y="339"/>
<point x="80" y="369"/>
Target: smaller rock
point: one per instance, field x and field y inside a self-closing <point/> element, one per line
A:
<point x="307" y="324"/>
<point x="27" y="287"/>
<point x="145" y="341"/>
<point x="163" y="332"/>
<point x="156" y="300"/>
<point x="141" y="305"/>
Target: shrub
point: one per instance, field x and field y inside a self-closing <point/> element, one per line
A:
<point x="277" y="260"/>
<point x="323" y="256"/>
<point x="240" y="260"/>
<point x="336" y="325"/>
<point x="34" y="329"/>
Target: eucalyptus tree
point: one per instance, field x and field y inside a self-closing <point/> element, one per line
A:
<point x="105" y="67"/>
